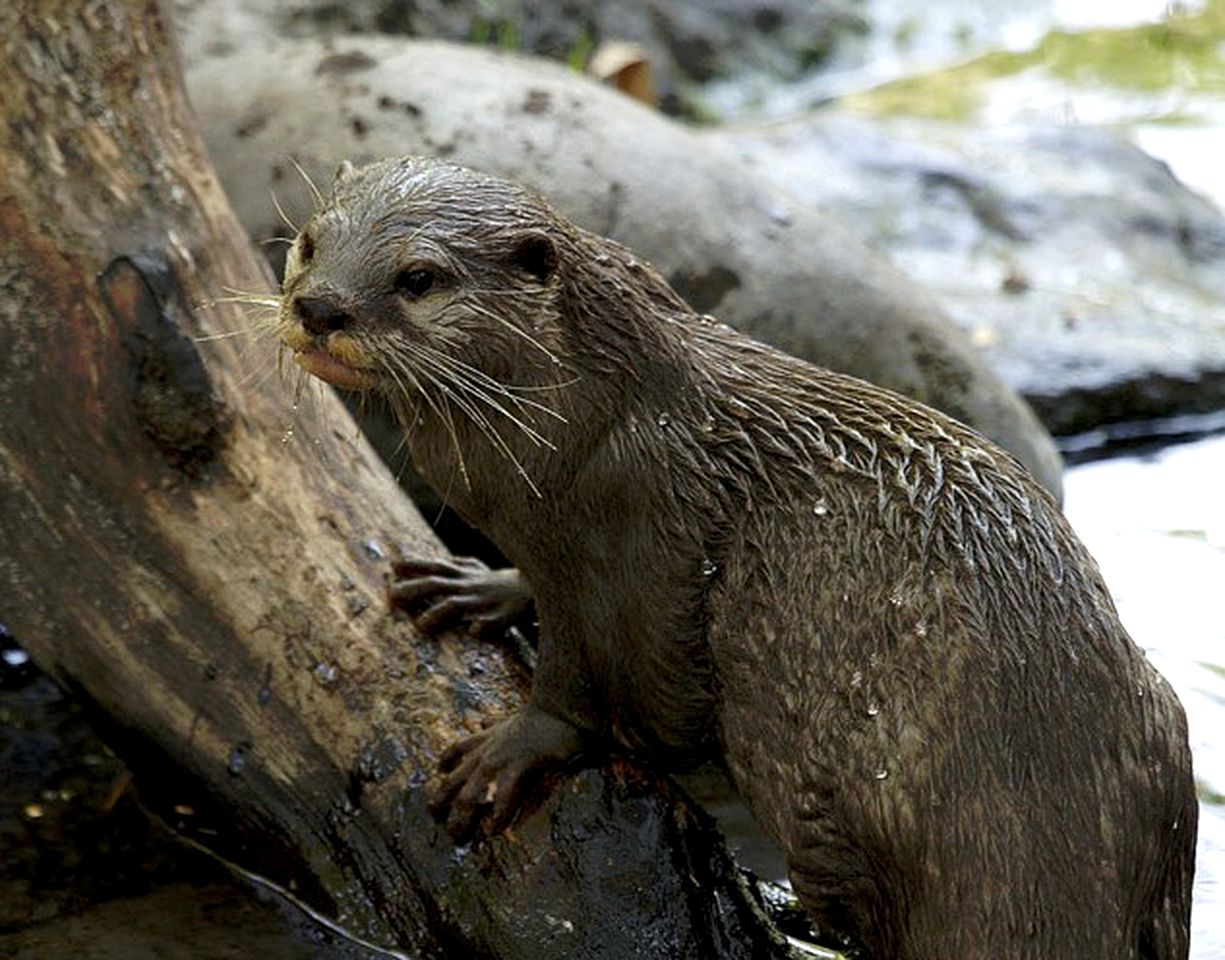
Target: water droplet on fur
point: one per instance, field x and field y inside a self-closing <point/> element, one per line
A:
<point x="708" y="424"/>
<point x="603" y="259"/>
<point x="287" y="436"/>
<point x="664" y="419"/>
<point x="238" y="759"/>
<point x="920" y="629"/>
<point x="15" y="658"/>
<point x="820" y="508"/>
<point x="881" y="774"/>
<point x="895" y="598"/>
<point x="325" y="672"/>
<point x="856" y="678"/>
<point x="709" y="567"/>
<point x="873" y="710"/>
<point x="707" y="320"/>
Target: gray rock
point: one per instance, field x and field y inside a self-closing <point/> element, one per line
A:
<point x="688" y="42"/>
<point x="1088" y="275"/>
<point x="756" y="255"/>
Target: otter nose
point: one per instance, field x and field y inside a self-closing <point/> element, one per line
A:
<point x="320" y="315"/>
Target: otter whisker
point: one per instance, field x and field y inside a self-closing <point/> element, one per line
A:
<point x="483" y="311"/>
<point x="484" y="388"/>
<point x="268" y="309"/>
<point x="309" y="182"/>
<point x="263" y="315"/>
<point x="517" y="388"/>
<point x="464" y="376"/>
<point x="230" y="334"/>
<point x="509" y="391"/>
<point x="251" y="296"/>
<point x="468" y="389"/>
<point x="401" y="410"/>
<point x="495" y="438"/>
<point x="281" y="212"/>
<point x="482" y="422"/>
<point x="398" y="366"/>
<point x="474" y="414"/>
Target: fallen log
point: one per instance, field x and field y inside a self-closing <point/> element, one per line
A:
<point x="198" y="554"/>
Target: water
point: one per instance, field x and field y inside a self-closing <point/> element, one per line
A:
<point x="1156" y="525"/>
<point x="1155" y="67"/>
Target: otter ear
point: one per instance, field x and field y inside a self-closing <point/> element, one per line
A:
<point x="343" y="172"/>
<point x="536" y="255"/>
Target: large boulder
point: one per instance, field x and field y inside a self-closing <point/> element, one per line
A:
<point x="688" y="43"/>
<point x="1089" y="276"/>
<point x="757" y="255"/>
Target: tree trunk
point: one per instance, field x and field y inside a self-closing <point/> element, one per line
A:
<point x="201" y="559"/>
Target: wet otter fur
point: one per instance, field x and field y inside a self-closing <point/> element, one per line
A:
<point x="884" y="628"/>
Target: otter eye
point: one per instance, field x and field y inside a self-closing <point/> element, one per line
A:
<point x="306" y="247"/>
<point x="415" y="283"/>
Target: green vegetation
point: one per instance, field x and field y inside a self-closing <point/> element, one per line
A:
<point x="497" y="25"/>
<point x="1184" y="52"/>
<point x="580" y="51"/>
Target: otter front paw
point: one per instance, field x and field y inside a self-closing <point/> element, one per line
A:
<point x="484" y="780"/>
<point x="438" y="594"/>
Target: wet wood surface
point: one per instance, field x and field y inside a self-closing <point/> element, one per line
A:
<point x="198" y="554"/>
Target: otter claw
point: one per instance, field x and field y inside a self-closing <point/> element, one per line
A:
<point x="438" y="594"/>
<point x="484" y="780"/>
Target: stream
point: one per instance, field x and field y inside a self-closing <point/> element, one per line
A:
<point x="1156" y="525"/>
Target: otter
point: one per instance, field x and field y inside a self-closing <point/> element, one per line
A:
<point x="883" y="629"/>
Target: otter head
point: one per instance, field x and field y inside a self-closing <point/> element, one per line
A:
<point x="425" y="281"/>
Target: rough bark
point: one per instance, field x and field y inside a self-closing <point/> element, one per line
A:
<point x="200" y="558"/>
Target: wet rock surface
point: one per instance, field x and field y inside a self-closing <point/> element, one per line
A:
<point x="86" y="872"/>
<point x="186" y="921"/>
<point x="652" y="850"/>
<point x="1090" y="277"/>
<point x="70" y="829"/>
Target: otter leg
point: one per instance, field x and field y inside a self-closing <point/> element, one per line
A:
<point x="438" y="594"/>
<point x="484" y="779"/>
<point x="838" y="886"/>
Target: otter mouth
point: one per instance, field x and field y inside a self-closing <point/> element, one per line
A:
<point x="328" y="367"/>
